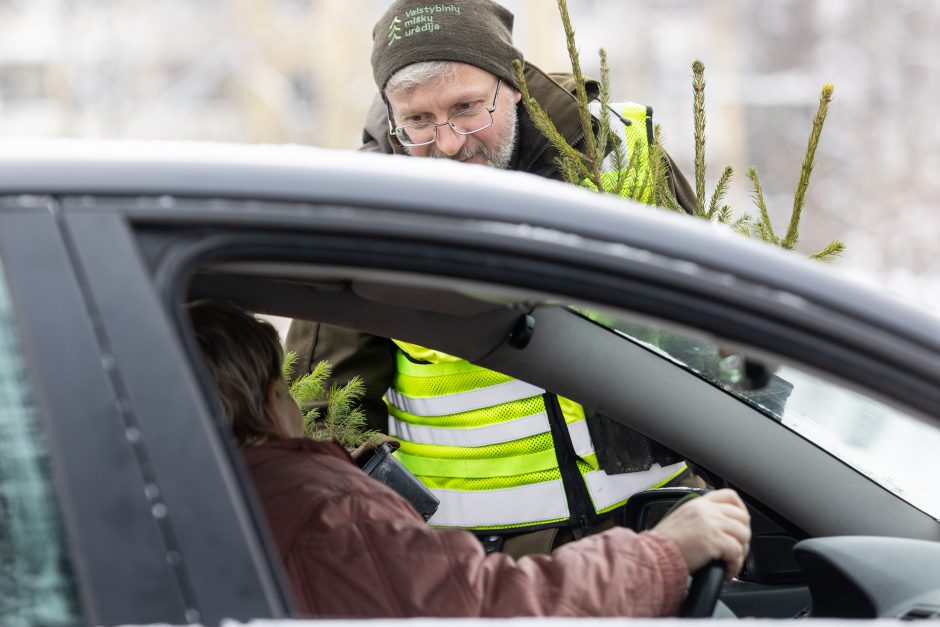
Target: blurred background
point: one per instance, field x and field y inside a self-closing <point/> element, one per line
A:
<point x="297" y="71"/>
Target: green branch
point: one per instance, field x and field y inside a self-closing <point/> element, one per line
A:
<point x="652" y="183"/>
<point x="545" y="126"/>
<point x="343" y="420"/>
<point x="698" y="112"/>
<point x="830" y="252"/>
<point x="764" y="226"/>
<point x="581" y="89"/>
<point x="720" y="191"/>
<point x="662" y="191"/>
<point x="799" y="198"/>
<point x="603" y="132"/>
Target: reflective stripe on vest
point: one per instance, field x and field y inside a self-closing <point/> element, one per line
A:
<point x="423" y="465"/>
<point x="463" y="401"/>
<point x="505" y="476"/>
<point x="580" y="438"/>
<point x="609" y="490"/>
<point x="517" y="429"/>
<point x="507" y="507"/>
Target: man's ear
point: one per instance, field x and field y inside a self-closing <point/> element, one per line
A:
<point x="516" y="95"/>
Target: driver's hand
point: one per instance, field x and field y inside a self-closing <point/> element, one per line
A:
<point x="714" y="526"/>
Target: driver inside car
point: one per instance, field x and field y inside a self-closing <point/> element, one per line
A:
<point x="351" y="547"/>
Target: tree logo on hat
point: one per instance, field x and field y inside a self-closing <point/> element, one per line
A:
<point x="393" y="31"/>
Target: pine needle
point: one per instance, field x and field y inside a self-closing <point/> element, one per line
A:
<point x="698" y="110"/>
<point x="764" y="227"/>
<point x="309" y="388"/>
<point x="724" y="215"/>
<point x="644" y="186"/>
<point x="545" y="126"/>
<point x="720" y="191"/>
<point x="637" y="189"/>
<point x="799" y="198"/>
<point x="569" y="169"/>
<point x="623" y="173"/>
<point x="603" y="132"/>
<point x="287" y="365"/>
<point x="344" y="421"/>
<point x="581" y="91"/>
<point x="743" y="225"/>
<point x="662" y="192"/>
<point x="830" y="252"/>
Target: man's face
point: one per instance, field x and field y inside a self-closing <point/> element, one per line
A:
<point x="438" y="100"/>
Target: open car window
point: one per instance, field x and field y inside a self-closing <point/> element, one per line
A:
<point x="888" y="446"/>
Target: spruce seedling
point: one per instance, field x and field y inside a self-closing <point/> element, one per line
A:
<point x="698" y="116"/>
<point x="653" y="186"/>
<point x="763" y="228"/>
<point x="343" y="419"/>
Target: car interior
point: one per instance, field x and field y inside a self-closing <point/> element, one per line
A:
<point x="795" y="490"/>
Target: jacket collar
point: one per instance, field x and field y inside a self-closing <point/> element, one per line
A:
<point x="555" y="93"/>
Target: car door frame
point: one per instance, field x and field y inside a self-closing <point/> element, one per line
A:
<point x="157" y="524"/>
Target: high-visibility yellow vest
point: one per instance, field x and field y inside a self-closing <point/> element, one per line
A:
<point x="500" y="453"/>
<point x="633" y="124"/>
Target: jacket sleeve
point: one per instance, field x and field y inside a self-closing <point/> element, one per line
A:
<point x="395" y="569"/>
<point x="359" y="550"/>
<point x="614" y="573"/>
<point x="680" y="186"/>
<point x="351" y="353"/>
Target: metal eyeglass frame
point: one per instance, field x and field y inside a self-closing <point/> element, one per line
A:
<point x="394" y="129"/>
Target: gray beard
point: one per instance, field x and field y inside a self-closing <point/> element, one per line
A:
<point x="499" y="157"/>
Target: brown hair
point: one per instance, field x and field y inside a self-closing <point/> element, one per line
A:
<point x="244" y="356"/>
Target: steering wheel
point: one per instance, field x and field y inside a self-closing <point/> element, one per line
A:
<point x="703" y="591"/>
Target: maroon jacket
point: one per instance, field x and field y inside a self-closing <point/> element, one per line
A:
<point x="353" y="548"/>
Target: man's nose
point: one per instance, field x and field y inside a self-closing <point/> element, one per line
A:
<point x="449" y="141"/>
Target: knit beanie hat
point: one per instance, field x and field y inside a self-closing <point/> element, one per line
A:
<point x="476" y="32"/>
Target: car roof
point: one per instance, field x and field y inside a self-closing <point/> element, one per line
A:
<point x="536" y="210"/>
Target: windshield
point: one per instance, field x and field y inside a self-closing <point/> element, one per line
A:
<point x="893" y="449"/>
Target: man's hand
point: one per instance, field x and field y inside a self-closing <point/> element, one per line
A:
<point x="714" y="526"/>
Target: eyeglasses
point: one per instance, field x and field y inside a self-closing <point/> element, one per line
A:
<point x="463" y="123"/>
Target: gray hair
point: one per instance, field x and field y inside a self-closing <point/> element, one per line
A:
<point x="418" y="74"/>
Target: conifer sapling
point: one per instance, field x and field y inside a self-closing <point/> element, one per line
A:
<point x="343" y="420"/>
<point x="586" y="166"/>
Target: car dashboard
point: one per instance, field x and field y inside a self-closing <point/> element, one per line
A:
<point x="871" y="577"/>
